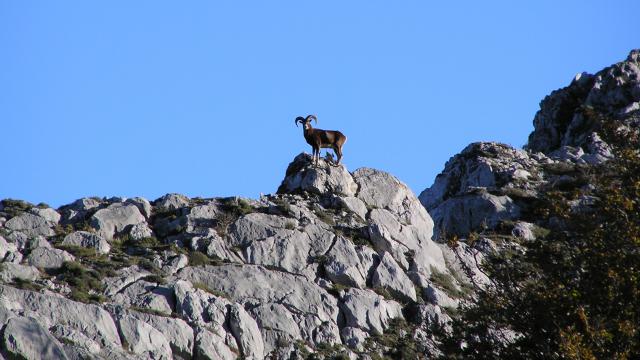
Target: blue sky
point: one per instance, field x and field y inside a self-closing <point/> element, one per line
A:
<point x="142" y="98"/>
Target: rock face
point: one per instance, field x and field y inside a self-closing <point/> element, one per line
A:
<point x="491" y="184"/>
<point x="87" y="240"/>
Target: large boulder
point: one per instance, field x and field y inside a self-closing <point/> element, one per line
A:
<point x="87" y="240"/>
<point x="368" y="311"/>
<point x="115" y="218"/>
<point x="324" y="179"/>
<point x="246" y="332"/>
<point x="50" y="310"/>
<point x="31" y="225"/>
<point x="48" y="258"/>
<point x="25" y="338"/>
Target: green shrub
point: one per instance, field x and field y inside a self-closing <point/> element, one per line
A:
<point x="197" y="258"/>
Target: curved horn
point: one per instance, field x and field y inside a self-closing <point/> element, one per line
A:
<point x="312" y="117"/>
<point x="300" y="119"/>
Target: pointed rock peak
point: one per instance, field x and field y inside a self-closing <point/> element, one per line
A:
<point x="325" y="178"/>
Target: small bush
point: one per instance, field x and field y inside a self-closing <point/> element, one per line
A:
<point x="25" y="284"/>
<point x="204" y="287"/>
<point x="149" y="311"/>
<point x="290" y="225"/>
<point x="196" y="258"/>
<point x="155" y="279"/>
<point x="446" y="282"/>
<point x="15" y="207"/>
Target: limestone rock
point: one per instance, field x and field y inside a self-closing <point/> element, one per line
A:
<point x="48" y="258"/>
<point x="48" y="214"/>
<point x="354" y="338"/>
<point x="246" y="332"/>
<point x="140" y="231"/>
<point x="25" y="338"/>
<point x="10" y="271"/>
<point x="115" y="219"/>
<point x="464" y="214"/>
<point x="211" y="346"/>
<point x="144" y="339"/>
<point x="389" y="276"/>
<point x="6" y="247"/>
<point x="177" y="332"/>
<point x="349" y="265"/>
<point x="50" y="310"/>
<point x="368" y="311"/>
<point x="303" y="176"/>
<point x="171" y="202"/>
<point x="143" y="205"/>
<point x="87" y="240"/>
<point x="31" y="225"/>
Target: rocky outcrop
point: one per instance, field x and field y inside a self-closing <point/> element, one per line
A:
<point x="332" y="263"/>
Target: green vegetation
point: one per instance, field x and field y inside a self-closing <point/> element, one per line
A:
<point x="150" y="311"/>
<point x="202" y="286"/>
<point x="85" y="283"/>
<point x="196" y="258"/>
<point x="25" y="284"/>
<point x="448" y="283"/>
<point x="396" y="343"/>
<point x="15" y="207"/>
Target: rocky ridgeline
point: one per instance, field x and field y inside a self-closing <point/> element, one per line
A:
<point x="489" y="187"/>
<point x="328" y="264"/>
<point x="334" y="264"/>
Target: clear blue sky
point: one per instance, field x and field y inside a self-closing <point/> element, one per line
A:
<point x="144" y="98"/>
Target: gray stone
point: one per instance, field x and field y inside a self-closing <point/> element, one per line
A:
<point x="439" y="297"/>
<point x="246" y="332"/>
<point x="354" y="205"/>
<point x="354" y="338"/>
<point x="50" y="310"/>
<point x="115" y="219"/>
<point x="144" y="339"/>
<point x="325" y="179"/>
<point x="171" y="202"/>
<point x="143" y="205"/>
<point x="48" y="214"/>
<point x="6" y="247"/>
<point x="140" y="231"/>
<point x="211" y="346"/>
<point x="368" y="311"/>
<point x="314" y="310"/>
<point x="48" y="258"/>
<point x="389" y="276"/>
<point x="87" y="240"/>
<point x="10" y="271"/>
<point x="25" y="338"/>
<point x="347" y="265"/>
<point x="523" y="230"/>
<point x="177" y="332"/>
<point x="30" y="224"/>
<point x="467" y="213"/>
